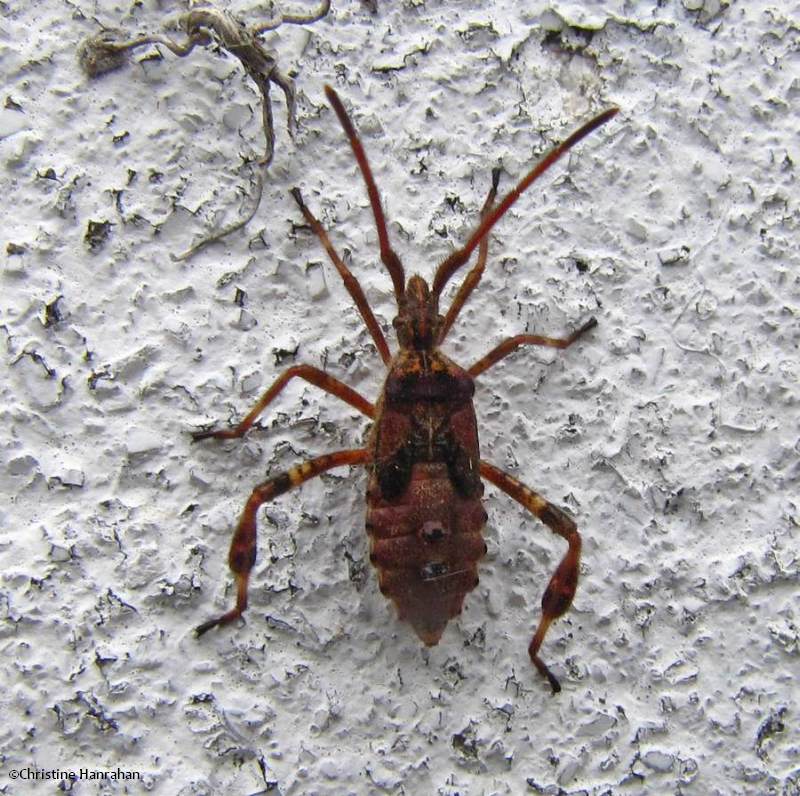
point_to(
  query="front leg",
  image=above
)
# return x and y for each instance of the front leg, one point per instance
(319, 378)
(561, 589)
(513, 343)
(242, 555)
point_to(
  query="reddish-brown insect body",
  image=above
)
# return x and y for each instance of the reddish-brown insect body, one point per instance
(425, 516)
(424, 510)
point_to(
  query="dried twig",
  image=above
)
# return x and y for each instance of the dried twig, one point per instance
(231, 228)
(205, 25)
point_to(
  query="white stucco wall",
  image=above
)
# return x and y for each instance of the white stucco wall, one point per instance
(670, 432)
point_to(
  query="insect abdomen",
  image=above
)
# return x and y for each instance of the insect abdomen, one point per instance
(426, 546)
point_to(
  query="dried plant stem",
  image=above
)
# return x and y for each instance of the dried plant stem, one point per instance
(204, 25)
(214, 237)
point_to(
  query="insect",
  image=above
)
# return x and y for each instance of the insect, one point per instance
(424, 512)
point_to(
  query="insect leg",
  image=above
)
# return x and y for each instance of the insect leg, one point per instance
(242, 554)
(350, 282)
(312, 375)
(513, 343)
(558, 595)
(474, 276)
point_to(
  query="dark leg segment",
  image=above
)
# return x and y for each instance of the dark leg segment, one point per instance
(311, 374)
(242, 554)
(350, 282)
(513, 343)
(474, 276)
(561, 589)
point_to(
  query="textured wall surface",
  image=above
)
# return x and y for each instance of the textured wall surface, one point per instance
(670, 431)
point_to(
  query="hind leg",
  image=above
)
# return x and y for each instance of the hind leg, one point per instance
(242, 555)
(560, 591)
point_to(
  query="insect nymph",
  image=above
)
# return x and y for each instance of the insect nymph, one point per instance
(425, 516)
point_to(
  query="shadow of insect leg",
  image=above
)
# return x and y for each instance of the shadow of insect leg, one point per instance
(558, 595)
(312, 375)
(242, 555)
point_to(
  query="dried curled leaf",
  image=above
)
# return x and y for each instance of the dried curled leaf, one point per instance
(101, 53)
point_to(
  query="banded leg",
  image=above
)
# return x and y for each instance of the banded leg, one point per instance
(474, 276)
(242, 555)
(312, 375)
(558, 595)
(513, 343)
(350, 282)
